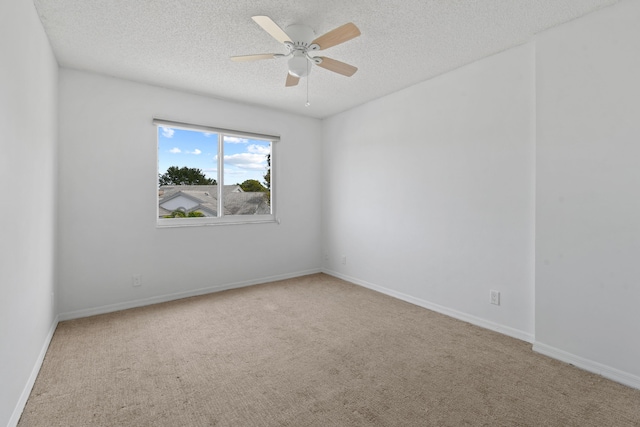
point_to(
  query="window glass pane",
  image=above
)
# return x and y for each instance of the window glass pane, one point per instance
(247, 176)
(187, 173)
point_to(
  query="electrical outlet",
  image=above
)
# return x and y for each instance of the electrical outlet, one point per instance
(495, 297)
(136, 280)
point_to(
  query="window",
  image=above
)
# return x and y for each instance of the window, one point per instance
(208, 175)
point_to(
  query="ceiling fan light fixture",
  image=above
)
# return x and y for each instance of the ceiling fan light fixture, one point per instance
(298, 65)
(301, 42)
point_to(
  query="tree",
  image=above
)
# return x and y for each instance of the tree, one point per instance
(267, 180)
(184, 176)
(253, 186)
(180, 213)
(267, 177)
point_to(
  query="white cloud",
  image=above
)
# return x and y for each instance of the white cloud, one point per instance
(175, 150)
(251, 161)
(259, 149)
(235, 140)
(167, 132)
(208, 134)
(196, 152)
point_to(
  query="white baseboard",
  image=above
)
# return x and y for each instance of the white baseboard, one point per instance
(580, 362)
(17, 412)
(179, 295)
(588, 365)
(483, 323)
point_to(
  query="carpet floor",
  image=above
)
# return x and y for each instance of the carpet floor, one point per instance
(310, 351)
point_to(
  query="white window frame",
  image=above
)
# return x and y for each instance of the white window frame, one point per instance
(221, 219)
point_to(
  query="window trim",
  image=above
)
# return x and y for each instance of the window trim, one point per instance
(224, 219)
(213, 129)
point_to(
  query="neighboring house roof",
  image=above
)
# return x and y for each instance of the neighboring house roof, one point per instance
(204, 198)
(246, 204)
(162, 212)
(166, 191)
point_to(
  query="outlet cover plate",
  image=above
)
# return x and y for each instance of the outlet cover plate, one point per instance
(494, 297)
(136, 280)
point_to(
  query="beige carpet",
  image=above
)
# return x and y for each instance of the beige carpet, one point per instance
(312, 351)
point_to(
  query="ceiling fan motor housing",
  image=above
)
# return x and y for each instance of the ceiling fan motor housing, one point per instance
(301, 35)
(299, 47)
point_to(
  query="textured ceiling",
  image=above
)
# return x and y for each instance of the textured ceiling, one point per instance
(186, 44)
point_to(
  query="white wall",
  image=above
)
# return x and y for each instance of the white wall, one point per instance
(28, 126)
(429, 192)
(108, 198)
(588, 192)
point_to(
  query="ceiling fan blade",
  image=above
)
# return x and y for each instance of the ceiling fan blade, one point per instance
(272, 28)
(337, 66)
(337, 36)
(292, 80)
(244, 58)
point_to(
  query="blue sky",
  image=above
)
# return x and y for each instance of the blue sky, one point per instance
(243, 158)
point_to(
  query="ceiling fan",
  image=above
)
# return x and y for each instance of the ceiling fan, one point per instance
(300, 42)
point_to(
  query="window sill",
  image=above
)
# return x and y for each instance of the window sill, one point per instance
(205, 222)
